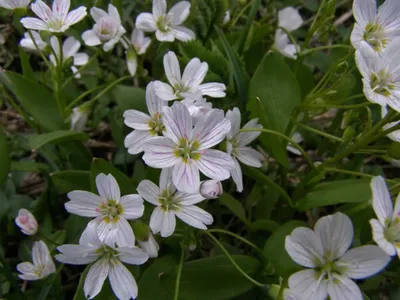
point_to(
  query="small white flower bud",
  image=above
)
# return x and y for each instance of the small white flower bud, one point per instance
(211, 189)
(150, 246)
(131, 61)
(79, 118)
(27, 222)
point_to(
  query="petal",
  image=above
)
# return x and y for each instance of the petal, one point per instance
(159, 153)
(186, 176)
(153, 102)
(113, 12)
(70, 47)
(194, 73)
(215, 164)
(212, 129)
(396, 211)
(33, 23)
(149, 191)
(343, 288)
(132, 256)
(306, 284)
(95, 278)
(159, 8)
(289, 18)
(177, 122)
(75, 16)
(213, 89)
(42, 10)
(165, 36)
(136, 119)
(83, 203)
(164, 91)
(364, 261)
(90, 38)
(188, 199)
(166, 180)
(367, 60)
(76, 254)
(146, 22)
(122, 282)
(133, 206)
(381, 201)
(194, 216)
(26, 267)
(378, 235)
(156, 220)
(336, 233)
(40, 254)
(81, 59)
(110, 45)
(183, 34)
(136, 139)
(305, 247)
(172, 68)
(179, 12)
(389, 15)
(249, 156)
(364, 11)
(108, 187)
(245, 138)
(97, 13)
(168, 224)
(60, 8)
(237, 176)
(234, 117)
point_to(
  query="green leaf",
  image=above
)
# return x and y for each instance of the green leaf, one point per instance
(56, 238)
(56, 137)
(36, 99)
(274, 250)
(264, 225)
(4, 158)
(273, 95)
(25, 64)
(28, 166)
(335, 192)
(99, 165)
(212, 278)
(128, 97)
(79, 294)
(245, 32)
(234, 206)
(67, 181)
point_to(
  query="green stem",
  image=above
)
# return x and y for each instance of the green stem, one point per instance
(48, 240)
(318, 132)
(338, 106)
(282, 289)
(357, 174)
(82, 96)
(255, 282)
(237, 237)
(49, 66)
(178, 275)
(311, 32)
(308, 51)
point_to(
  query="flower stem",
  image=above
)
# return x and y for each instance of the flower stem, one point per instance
(178, 275)
(353, 173)
(80, 97)
(318, 132)
(308, 51)
(333, 105)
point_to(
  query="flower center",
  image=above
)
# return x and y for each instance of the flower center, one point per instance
(375, 37)
(111, 210)
(55, 24)
(168, 201)
(381, 83)
(106, 28)
(188, 150)
(179, 89)
(392, 233)
(156, 126)
(163, 24)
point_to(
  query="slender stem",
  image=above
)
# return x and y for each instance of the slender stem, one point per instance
(237, 237)
(282, 289)
(333, 105)
(321, 133)
(255, 282)
(40, 51)
(178, 275)
(48, 240)
(241, 12)
(312, 29)
(357, 174)
(82, 96)
(308, 51)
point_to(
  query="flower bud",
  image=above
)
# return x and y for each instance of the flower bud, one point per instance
(131, 61)
(79, 118)
(150, 246)
(27, 222)
(211, 189)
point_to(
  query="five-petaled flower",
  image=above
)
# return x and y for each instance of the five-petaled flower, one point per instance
(57, 19)
(170, 204)
(167, 26)
(324, 251)
(186, 148)
(111, 211)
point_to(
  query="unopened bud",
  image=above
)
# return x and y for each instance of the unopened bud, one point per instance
(79, 118)
(150, 246)
(211, 189)
(27, 222)
(131, 61)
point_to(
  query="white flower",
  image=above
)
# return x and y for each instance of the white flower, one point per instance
(166, 25)
(236, 146)
(57, 19)
(324, 251)
(111, 211)
(131, 61)
(107, 261)
(227, 17)
(197, 106)
(150, 246)
(211, 189)
(139, 41)
(290, 20)
(145, 126)
(297, 138)
(28, 43)
(69, 49)
(189, 85)
(170, 203)
(380, 74)
(375, 27)
(14, 4)
(186, 149)
(108, 29)
(395, 135)
(27, 222)
(42, 266)
(385, 230)
(79, 118)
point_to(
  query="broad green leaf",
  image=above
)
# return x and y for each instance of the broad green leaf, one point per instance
(274, 250)
(28, 166)
(25, 64)
(129, 97)
(4, 158)
(264, 225)
(335, 192)
(212, 278)
(56, 137)
(234, 206)
(67, 181)
(273, 95)
(36, 99)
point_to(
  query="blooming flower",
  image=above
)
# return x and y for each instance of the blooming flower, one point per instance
(375, 27)
(186, 149)
(211, 189)
(170, 203)
(42, 266)
(166, 25)
(27, 222)
(395, 135)
(380, 76)
(324, 251)
(108, 29)
(146, 127)
(29, 44)
(385, 230)
(57, 19)
(289, 19)
(189, 85)
(79, 118)
(69, 49)
(14, 4)
(107, 261)
(111, 211)
(236, 146)
(297, 138)
(139, 41)
(150, 246)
